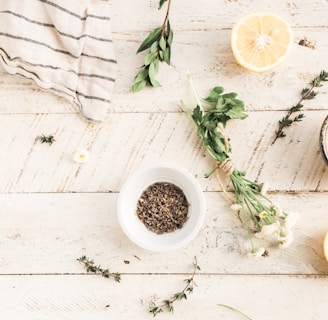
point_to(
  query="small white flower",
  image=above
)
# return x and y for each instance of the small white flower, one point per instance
(236, 207)
(291, 219)
(267, 230)
(285, 241)
(256, 252)
(263, 214)
(81, 155)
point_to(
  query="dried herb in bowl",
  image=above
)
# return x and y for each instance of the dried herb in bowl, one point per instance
(162, 207)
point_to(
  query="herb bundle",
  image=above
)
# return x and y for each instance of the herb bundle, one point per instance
(159, 43)
(259, 215)
(92, 267)
(307, 93)
(168, 303)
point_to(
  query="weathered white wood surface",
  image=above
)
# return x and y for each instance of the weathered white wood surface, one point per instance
(54, 210)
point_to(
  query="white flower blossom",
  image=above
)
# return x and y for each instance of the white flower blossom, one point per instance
(81, 156)
(256, 252)
(291, 219)
(277, 209)
(263, 214)
(267, 230)
(236, 207)
(286, 240)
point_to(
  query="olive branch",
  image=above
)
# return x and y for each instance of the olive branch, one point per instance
(159, 43)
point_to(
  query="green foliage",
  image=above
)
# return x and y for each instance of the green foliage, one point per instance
(46, 139)
(167, 304)
(220, 109)
(307, 93)
(159, 43)
(92, 267)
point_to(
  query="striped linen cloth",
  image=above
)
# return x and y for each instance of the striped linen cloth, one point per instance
(63, 45)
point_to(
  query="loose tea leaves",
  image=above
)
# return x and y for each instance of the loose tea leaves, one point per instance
(162, 207)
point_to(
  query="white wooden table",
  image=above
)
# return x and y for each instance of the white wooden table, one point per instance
(54, 210)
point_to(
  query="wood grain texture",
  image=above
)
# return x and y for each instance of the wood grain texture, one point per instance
(85, 297)
(46, 233)
(53, 210)
(129, 141)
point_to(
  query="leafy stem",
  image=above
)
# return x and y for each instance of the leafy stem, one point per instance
(46, 139)
(307, 93)
(168, 303)
(159, 43)
(92, 267)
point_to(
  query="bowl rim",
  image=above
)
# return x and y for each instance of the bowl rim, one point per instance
(323, 134)
(197, 222)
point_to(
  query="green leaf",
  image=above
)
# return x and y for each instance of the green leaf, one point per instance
(138, 86)
(154, 47)
(142, 75)
(154, 35)
(150, 57)
(162, 43)
(236, 113)
(167, 55)
(214, 95)
(161, 2)
(152, 73)
(169, 33)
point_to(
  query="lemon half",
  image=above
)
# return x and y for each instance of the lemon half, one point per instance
(325, 246)
(261, 40)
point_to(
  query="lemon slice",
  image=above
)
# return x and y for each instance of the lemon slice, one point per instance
(325, 246)
(260, 41)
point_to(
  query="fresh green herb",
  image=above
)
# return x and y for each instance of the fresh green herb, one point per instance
(307, 93)
(46, 139)
(168, 303)
(258, 214)
(159, 43)
(91, 267)
(235, 310)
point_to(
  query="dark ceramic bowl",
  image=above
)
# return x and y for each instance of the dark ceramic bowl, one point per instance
(324, 140)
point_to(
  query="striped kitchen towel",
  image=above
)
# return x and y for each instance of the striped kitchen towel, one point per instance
(63, 45)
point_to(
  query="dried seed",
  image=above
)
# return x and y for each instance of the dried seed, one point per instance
(162, 207)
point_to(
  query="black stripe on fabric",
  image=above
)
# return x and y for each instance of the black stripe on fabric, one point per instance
(92, 97)
(99, 58)
(85, 75)
(38, 43)
(49, 25)
(55, 49)
(73, 13)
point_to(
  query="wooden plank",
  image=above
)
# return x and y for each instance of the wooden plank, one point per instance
(85, 297)
(128, 141)
(46, 233)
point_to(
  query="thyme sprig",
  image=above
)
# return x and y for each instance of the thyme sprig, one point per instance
(46, 139)
(260, 216)
(159, 43)
(307, 93)
(168, 303)
(92, 267)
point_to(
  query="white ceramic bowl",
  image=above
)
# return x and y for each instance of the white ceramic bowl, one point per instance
(130, 193)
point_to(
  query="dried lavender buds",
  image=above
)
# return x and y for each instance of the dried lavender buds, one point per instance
(162, 207)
